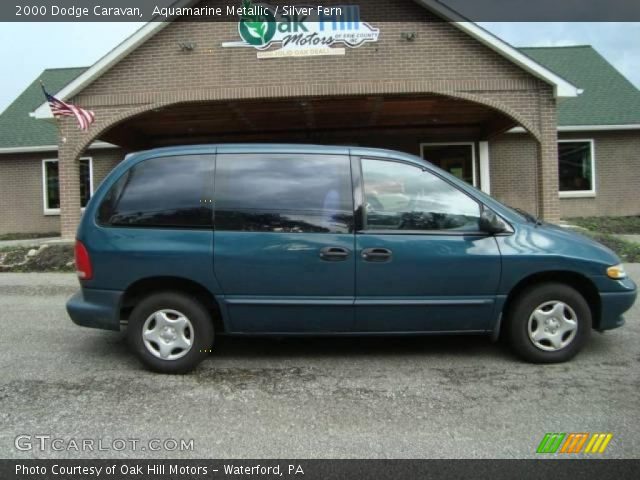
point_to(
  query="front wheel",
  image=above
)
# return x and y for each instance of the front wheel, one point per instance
(170, 332)
(548, 323)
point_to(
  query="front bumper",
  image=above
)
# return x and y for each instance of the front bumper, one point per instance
(95, 308)
(614, 304)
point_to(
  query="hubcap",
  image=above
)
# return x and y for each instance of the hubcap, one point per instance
(167, 334)
(552, 326)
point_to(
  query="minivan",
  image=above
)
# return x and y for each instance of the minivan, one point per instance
(185, 243)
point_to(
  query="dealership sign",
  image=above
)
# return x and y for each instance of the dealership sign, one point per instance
(301, 31)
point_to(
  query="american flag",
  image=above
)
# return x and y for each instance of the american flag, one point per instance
(62, 109)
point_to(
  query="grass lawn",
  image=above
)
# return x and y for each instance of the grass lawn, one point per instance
(628, 251)
(604, 229)
(620, 225)
(53, 258)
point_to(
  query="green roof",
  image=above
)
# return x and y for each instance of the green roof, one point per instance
(17, 128)
(608, 97)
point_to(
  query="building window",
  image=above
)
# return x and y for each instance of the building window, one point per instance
(51, 184)
(576, 168)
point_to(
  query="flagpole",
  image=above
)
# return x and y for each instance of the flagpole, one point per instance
(57, 120)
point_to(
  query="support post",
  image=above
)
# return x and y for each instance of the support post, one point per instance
(69, 184)
(548, 197)
(485, 170)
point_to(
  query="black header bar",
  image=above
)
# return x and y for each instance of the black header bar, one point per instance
(373, 11)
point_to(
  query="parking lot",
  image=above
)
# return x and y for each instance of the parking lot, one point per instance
(304, 398)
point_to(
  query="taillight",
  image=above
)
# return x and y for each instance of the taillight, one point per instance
(83, 262)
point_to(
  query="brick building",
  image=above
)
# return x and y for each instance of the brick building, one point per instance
(555, 131)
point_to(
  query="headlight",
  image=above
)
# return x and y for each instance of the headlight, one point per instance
(616, 272)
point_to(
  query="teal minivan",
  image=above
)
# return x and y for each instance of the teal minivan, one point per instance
(185, 243)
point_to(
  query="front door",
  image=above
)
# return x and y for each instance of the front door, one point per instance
(422, 264)
(284, 242)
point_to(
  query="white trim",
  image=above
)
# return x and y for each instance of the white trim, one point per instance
(90, 175)
(562, 88)
(485, 171)
(56, 211)
(581, 193)
(53, 148)
(45, 208)
(110, 59)
(586, 128)
(597, 128)
(445, 144)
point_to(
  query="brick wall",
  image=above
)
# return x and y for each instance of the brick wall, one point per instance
(103, 162)
(21, 203)
(617, 171)
(513, 172)
(21, 194)
(440, 53)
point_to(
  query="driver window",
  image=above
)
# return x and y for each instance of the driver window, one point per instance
(399, 196)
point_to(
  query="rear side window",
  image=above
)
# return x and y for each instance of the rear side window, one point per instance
(283, 193)
(162, 192)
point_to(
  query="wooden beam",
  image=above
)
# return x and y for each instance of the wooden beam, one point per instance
(240, 115)
(378, 104)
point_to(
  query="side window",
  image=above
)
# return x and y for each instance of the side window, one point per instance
(162, 192)
(283, 193)
(403, 197)
(51, 184)
(575, 166)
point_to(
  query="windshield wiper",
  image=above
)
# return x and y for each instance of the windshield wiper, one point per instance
(530, 218)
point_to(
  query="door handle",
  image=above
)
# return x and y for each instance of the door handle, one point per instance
(376, 254)
(334, 254)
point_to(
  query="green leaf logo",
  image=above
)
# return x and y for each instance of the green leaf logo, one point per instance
(256, 29)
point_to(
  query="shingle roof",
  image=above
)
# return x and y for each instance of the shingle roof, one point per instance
(17, 128)
(608, 98)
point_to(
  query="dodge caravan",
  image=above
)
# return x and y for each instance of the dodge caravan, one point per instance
(186, 243)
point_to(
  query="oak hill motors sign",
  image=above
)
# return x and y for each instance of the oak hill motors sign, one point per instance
(301, 31)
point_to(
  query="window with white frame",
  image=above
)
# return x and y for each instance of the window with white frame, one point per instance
(51, 184)
(576, 168)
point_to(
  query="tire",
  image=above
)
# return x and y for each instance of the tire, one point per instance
(548, 323)
(170, 332)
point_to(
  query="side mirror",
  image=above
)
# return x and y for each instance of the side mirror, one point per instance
(490, 222)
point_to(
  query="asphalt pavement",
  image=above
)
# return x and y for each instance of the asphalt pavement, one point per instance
(437, 397)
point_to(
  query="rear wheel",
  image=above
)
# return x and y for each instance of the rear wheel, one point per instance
(170, 332)
(549, 323)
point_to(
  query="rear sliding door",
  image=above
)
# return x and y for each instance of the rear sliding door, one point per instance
(284, 242)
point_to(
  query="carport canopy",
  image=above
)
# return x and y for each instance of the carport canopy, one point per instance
(343, 119)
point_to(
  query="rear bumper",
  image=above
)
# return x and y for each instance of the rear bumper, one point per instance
(614, 304)
(95, 308)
